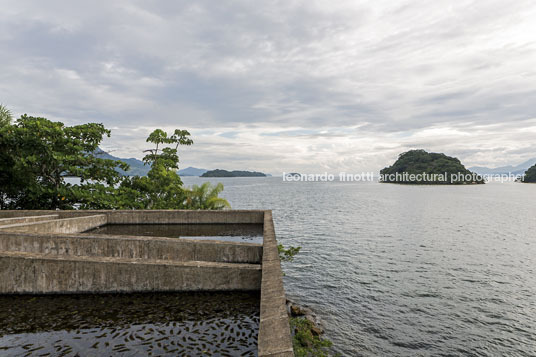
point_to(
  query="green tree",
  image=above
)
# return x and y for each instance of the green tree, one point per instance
(162, 187)
(417, 162)
(5, 116)
(287, 254)
(206, 197)
(530, 175)
(38, 154)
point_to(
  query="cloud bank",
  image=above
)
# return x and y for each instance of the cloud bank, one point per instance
(282, 85)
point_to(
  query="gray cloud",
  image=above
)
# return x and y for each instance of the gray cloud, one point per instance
(305, 85)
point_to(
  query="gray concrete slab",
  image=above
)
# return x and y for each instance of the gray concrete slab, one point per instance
(136, 247)
(34, 273)
(64, 225)
(28, 219)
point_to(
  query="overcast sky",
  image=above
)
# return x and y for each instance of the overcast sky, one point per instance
(283, 85)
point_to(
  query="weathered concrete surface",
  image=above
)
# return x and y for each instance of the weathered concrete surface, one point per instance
(41, 262)
(32, 273)
(66, 225)
(27, 219)
(25, 213)
(135, 247)
(184, 217)
(154, 216)
(274, 329)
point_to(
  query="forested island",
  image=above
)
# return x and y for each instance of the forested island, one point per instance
(424, 168)
(530, 175)
(236, 173)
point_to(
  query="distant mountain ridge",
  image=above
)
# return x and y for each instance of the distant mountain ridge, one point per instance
(138, 168)
(515, 170)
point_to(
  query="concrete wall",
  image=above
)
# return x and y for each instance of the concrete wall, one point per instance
(274, 329)
(28, 219)
(30, 273)
(154, 216)
(24, 213)
(67, 225)
(184, 217)
(132, 247)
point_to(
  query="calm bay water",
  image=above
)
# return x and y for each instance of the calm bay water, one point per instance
(407, 270)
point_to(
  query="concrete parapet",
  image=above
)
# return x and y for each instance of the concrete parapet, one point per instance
(38, 273)
(274, 329)
(135, 247)
(184, 217)
(27, 219)
(154, 216)
(25, 213)
(66, 225)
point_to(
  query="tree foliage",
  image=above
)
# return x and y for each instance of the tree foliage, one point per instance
(162, 187)
(206, 197)
(416, 162)
(5, 116)
(287, 254)
(530, 175)
(38, 155)
(306, 343)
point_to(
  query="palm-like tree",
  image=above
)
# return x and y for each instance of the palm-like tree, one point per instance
(206, 197)
(5, 116)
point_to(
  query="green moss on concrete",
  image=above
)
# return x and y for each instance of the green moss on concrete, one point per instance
(305, 342)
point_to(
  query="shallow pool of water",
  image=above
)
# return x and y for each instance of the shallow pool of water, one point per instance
(192, 324)
(251, 233)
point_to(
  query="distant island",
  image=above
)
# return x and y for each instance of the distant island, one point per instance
(424, 168)
(530, 175)
(225, 173)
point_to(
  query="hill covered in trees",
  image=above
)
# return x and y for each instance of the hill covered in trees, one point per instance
(530, 175)
(225, 173)
(421, 167)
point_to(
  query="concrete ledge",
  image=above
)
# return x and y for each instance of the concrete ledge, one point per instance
(66, 225)
(36, 274)
(154, 216)
(28, 219)
(135, 247)
(184, 217)
(274, 329)
(26, 213)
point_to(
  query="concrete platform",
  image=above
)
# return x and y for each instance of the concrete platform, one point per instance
(44, 252)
